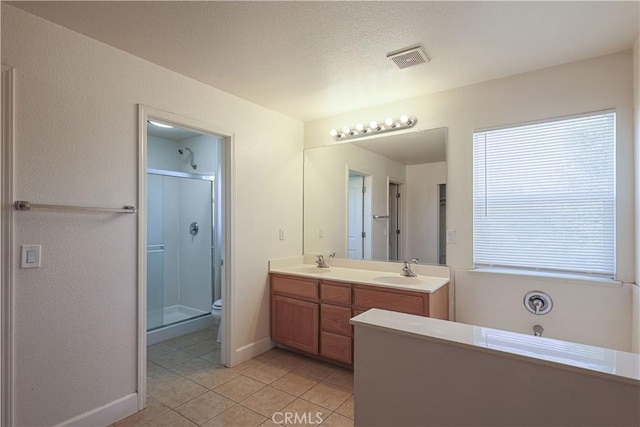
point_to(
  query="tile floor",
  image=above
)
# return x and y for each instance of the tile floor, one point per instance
(187, 386)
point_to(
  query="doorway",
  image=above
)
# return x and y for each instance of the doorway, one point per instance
(395, 222)
(183, 241)
(358, 216)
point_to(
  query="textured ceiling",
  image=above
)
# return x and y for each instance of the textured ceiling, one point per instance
(311, 60)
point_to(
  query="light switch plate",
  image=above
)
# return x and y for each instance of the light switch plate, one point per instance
(30, 256)
(451, 235)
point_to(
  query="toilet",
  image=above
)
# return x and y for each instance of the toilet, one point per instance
(216, 313)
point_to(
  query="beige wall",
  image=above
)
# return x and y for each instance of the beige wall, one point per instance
(76, 143)
(590, 85)
(423, 206)
(635, 331)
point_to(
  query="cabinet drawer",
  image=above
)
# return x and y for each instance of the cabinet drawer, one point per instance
(336, 347)
(295, 286)
(411, 303)
(334, 293)
(335, 318)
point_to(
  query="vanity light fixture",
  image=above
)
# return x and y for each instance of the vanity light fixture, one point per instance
(160, 125)
(374, 128)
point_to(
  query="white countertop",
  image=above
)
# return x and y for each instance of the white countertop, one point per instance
(387, 279)
(619, 365)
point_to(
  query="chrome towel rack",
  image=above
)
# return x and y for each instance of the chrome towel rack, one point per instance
(23, 205)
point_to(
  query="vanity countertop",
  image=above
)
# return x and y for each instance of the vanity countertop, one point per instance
(387, 279)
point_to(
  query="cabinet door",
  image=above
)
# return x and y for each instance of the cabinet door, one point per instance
(295, 323)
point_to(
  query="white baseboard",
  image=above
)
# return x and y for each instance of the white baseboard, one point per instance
(106, 414)
(250, 351)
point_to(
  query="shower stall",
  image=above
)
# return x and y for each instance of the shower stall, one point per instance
(183, 241)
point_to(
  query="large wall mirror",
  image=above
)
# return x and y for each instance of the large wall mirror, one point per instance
(380, 198)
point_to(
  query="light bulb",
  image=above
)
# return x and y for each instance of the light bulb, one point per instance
(359, 127)
(333, 133)
(373, 124)
(346, 130)
(389, 121)
(404, 119)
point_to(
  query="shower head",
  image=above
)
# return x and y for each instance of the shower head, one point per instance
(191, 161)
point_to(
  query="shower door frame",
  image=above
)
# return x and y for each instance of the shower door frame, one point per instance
(198, 177)
(227, 200)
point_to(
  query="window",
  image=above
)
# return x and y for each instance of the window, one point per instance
(544, 196)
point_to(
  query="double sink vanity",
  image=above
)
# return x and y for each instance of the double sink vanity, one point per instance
(311, 307)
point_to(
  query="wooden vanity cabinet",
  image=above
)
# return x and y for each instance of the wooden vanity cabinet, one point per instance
(335, 331)
(295, 312)
(312, 315)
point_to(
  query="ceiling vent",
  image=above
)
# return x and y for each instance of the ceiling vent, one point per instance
(408, 57)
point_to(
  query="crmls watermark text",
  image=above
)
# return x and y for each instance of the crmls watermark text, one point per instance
(297, 418)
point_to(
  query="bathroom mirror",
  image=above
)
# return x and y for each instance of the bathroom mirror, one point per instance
(379, 198)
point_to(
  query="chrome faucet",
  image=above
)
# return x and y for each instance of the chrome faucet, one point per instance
(406, 270)
(320, 262)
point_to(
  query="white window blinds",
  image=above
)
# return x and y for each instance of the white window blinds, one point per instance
(544, 196)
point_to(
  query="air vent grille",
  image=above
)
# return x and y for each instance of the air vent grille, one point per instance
(406, 58)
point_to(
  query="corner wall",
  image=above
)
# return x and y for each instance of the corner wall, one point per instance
(77, 143)
(593, 84)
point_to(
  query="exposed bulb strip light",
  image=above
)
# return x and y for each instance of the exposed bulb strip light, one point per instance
(374, 128)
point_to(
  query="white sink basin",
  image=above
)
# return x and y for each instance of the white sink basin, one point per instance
(399, 280)
(311, 270)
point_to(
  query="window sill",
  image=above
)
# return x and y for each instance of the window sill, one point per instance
(563, 277)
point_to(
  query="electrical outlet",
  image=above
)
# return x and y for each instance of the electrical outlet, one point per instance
(281, 234)
(320, 233)
(451, 235)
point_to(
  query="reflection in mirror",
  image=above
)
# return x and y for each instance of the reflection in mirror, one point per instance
(379, 198)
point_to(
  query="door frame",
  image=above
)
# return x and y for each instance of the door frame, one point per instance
(228, 201)
(367, 210)
(6, 246)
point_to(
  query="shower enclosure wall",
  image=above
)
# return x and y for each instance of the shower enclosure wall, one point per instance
(182, 248)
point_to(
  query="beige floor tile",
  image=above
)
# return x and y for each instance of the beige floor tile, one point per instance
(342, 378)
(159, 378)
(294, 383)
(153, 410)
(187, 340)
(172, 359)
(194, 367)
(239, 388)
(179, 393)
(267, 401)
(266, 373)
(346, 408)
(327, 396)
(215, 377)
(236, 416)
(203, 347)
(204, 407)
(160, 349)
(269, 423)
(337, 420)
(316, 369)
(245, 366)
(287, 359)
(214, 357)
(309, 414)
(170, 419)
(269, 355)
